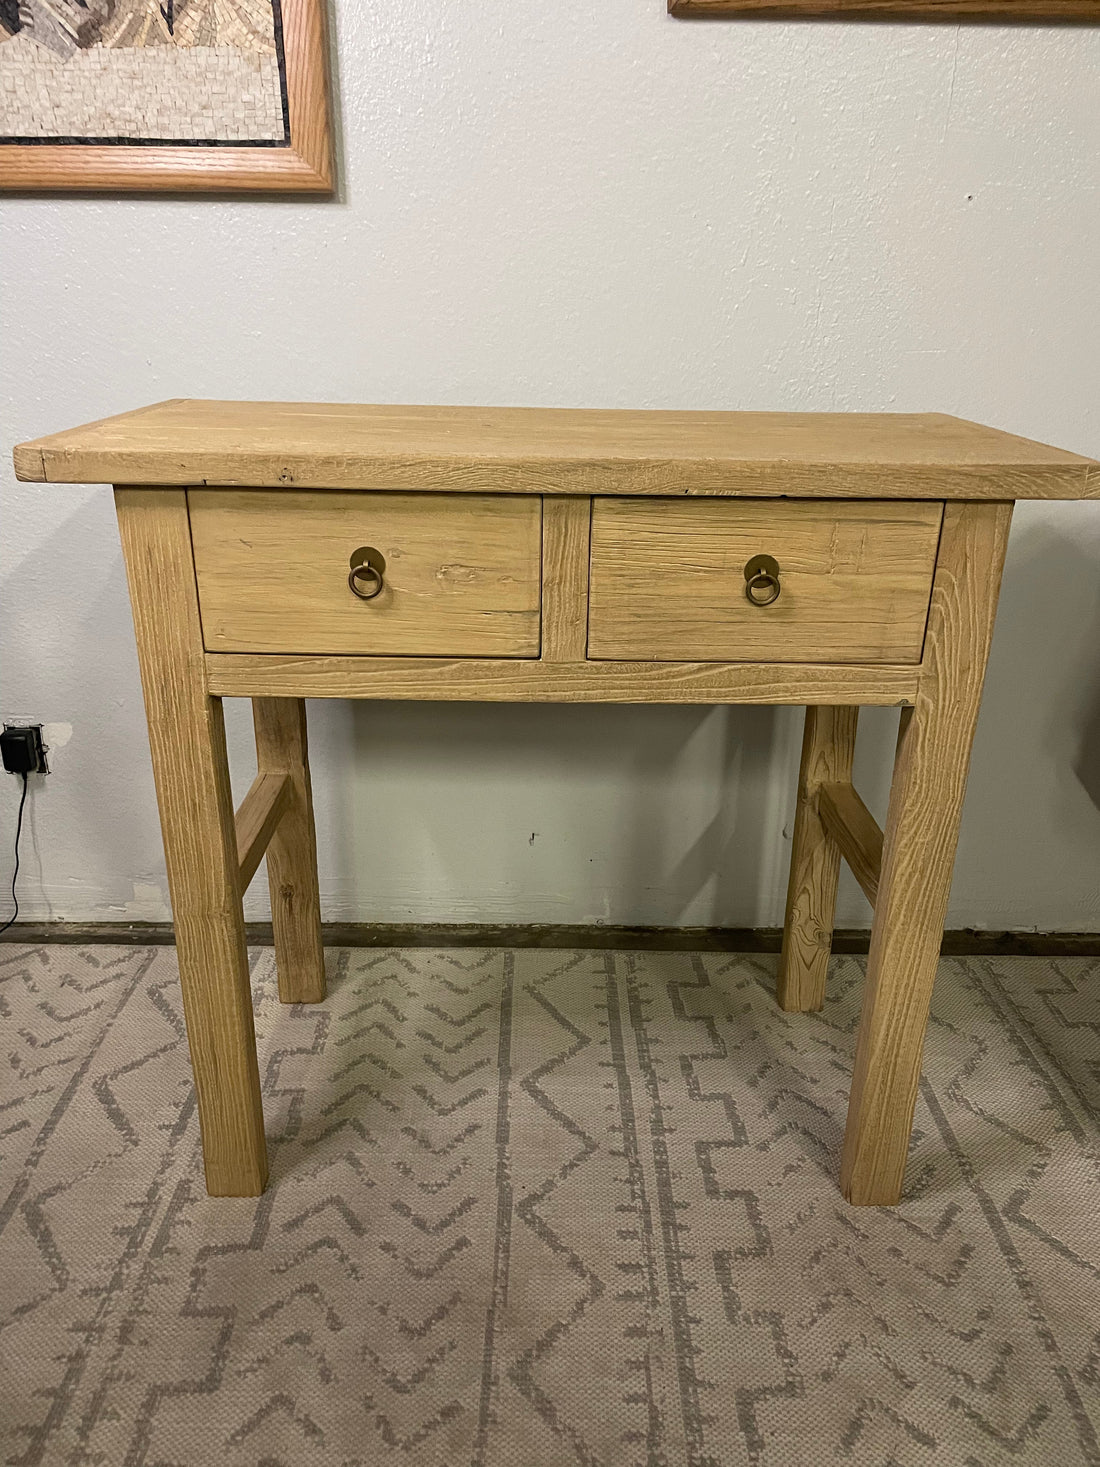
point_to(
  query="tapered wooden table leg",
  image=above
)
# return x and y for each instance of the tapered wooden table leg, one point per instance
(292, 852)
(187, 741)
(919, 851)
(828, 745)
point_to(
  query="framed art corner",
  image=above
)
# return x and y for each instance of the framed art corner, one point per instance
(159, 96)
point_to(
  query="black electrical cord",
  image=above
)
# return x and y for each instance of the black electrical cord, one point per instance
(15, 873)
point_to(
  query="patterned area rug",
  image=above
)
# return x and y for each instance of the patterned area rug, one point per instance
(541, 1208)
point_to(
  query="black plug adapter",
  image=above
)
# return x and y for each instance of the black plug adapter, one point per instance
(23, 749)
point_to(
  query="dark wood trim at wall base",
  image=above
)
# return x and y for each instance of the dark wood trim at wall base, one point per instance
(962, 942)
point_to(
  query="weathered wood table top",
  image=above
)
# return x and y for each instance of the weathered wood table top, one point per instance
(305, 445)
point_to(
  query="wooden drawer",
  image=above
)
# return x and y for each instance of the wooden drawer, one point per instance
(668, 583)
(461, 578)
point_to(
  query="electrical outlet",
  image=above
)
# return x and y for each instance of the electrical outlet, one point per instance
(23, 750)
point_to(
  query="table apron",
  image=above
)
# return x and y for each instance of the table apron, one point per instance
(513, 680)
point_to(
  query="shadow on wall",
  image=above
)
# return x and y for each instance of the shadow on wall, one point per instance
(726, 865)
(510, 812)
(1051, 601)
(1030, 845)
(1071, 563)
(91, 838)
(1087, 765)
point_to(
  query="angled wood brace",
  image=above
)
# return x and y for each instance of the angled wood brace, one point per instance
(856, 832)
(262, 808)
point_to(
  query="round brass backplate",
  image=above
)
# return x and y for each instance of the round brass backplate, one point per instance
(367, 575)
(762, 580)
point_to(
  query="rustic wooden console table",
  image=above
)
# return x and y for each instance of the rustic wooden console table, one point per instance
(282, 551)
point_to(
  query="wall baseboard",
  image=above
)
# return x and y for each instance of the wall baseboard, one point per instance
(961, 942)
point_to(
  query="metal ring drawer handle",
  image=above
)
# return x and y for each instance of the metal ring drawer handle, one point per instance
(367, 575)
(762, 580)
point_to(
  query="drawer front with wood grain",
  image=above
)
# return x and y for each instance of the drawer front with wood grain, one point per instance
(437, 575)
(828, 582)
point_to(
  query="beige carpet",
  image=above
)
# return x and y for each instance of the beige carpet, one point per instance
(543, 1208)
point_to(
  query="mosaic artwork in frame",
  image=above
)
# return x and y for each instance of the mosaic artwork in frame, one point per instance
(160, 95)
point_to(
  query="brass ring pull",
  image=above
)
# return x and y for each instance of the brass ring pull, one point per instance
(762, 580)
(368, 569)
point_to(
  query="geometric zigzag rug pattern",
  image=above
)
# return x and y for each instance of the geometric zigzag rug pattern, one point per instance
(535, 1208)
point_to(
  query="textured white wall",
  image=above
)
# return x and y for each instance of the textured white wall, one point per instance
(589, 204)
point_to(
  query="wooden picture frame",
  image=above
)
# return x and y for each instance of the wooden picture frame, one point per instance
(1033, 11)
(303, 163)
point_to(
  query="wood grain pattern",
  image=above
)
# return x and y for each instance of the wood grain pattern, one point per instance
(257, 816)
(281, 745)
(565, 535)
(828, 746)
(947, 10)
(243, 675)
(559, 451)
(305, 166)
(919, 851)
(187, 743)
(461, 579)
(668, 582)
(856, 832)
